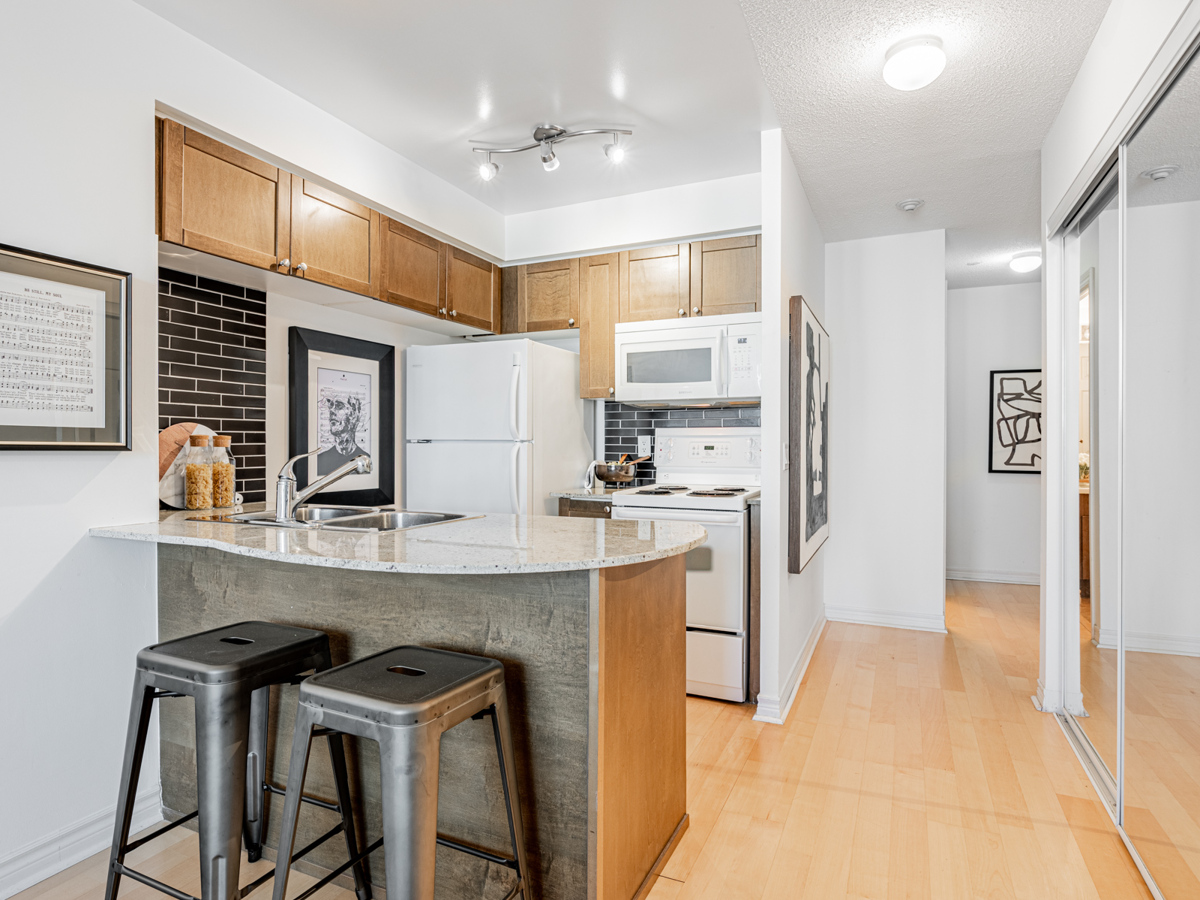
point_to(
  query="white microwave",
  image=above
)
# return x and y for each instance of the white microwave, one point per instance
(689, 362)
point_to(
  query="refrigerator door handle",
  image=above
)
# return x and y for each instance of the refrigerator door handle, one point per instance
(513, 398)
(513, 486)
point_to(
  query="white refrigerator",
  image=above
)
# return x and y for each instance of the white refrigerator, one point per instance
(493, 427)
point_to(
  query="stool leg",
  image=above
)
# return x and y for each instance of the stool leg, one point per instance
(298, 765)
(222, 733)
(408, 760)
(131, 769)
(337, 756)
(256, 772)
(502, 731)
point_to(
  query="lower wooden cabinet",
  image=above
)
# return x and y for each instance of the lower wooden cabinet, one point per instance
(599, 299)
(726, 276)
(584, 509)
(1085, 546)
(472, 290)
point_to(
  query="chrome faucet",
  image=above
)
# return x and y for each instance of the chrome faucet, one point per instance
(286, 497)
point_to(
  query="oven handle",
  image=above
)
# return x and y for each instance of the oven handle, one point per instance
(699, 517)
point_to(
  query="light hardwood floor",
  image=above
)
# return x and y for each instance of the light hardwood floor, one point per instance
(912, 765)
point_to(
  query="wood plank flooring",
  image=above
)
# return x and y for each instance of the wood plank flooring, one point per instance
(912, 765)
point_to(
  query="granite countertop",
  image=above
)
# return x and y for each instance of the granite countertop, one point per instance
(491, 544)
(584, 494)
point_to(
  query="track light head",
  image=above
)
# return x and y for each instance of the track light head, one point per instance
(488, 170)
(614, 151)
(549, 160)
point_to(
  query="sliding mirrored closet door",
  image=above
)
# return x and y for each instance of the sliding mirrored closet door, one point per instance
(1160, 502)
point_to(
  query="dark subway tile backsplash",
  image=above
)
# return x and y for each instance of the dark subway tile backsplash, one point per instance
(623, 425)
(212, 339)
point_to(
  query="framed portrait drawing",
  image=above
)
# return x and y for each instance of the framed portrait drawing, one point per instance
(1015, 421)
(342, 399)
(808, 436)
(64, 354)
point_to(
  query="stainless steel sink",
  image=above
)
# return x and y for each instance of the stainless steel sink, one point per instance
(393, 520)
(342, 518)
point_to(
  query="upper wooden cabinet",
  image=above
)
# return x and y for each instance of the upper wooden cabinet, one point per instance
(472, 290)
(654, 283)
(335, 240)
(222, 201)
(726, 276)
(599, 308)
(548, 295)
(414, 269)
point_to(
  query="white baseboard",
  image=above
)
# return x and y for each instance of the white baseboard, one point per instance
(887, 619)
(771, 709)
(1150, 642)
(62, 849)
(993, 576)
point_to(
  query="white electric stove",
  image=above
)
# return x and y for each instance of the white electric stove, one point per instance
(708, 476)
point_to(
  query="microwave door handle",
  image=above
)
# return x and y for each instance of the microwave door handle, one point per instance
(724, 352)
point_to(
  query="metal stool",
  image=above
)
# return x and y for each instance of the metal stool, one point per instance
(405, 699)
(228, 672)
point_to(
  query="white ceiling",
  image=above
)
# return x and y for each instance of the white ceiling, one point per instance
(968, 145)
(1170, 137)
(426, 78)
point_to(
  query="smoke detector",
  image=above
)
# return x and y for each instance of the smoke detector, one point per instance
(910, 205)
(1160, 173)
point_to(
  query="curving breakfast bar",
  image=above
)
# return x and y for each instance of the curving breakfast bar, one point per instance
(587, 617)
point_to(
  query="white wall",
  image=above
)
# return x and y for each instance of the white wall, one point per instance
(685, 212)
(793, 262)
(886, 314)
(993, 531)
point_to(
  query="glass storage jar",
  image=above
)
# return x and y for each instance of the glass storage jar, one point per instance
(198, 473)
(223, 472)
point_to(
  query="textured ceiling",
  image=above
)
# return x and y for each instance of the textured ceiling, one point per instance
(968, 145)
(1170, 137)
(426, 78)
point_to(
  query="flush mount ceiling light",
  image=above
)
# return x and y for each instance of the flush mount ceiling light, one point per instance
(544, 139)
(915, 63)
(910, 205)
(1160, 173)
(1026, 262)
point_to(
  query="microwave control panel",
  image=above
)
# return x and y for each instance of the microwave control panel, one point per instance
(743, 349)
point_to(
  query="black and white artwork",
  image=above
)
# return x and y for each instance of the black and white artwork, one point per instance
(343, 417)
(809, 433)
(1015, 421)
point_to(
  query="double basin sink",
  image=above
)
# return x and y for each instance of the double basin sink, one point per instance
(346, 518)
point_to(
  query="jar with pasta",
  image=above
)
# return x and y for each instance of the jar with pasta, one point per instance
(223, 472)
(198, 473)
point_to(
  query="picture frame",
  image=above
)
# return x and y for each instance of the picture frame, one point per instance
(809, 370)
(65, 354)
(1015, 421)
(342, 398)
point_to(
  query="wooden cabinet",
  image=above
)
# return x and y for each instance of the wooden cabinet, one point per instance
(413, 269)
(335, 240)
(220, 200)
(654, 283)
(472, 290)
(726, 276)
(599, 307)
(548, 295)
(1085, 545)
(584, 509)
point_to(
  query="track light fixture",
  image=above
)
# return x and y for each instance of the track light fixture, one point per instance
(544, 139)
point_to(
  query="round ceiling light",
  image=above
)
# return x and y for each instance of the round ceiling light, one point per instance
(915, 63)
(488, 170)
(910, 205)
(1026, 262)
(1160, 173)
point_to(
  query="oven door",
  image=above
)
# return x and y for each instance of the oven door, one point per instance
(666, 364)
(717, 570)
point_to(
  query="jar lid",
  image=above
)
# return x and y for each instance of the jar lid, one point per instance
(221, 440)
(198, 440)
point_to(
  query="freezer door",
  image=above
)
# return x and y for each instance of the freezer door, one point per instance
(468, 392)
(468, 477)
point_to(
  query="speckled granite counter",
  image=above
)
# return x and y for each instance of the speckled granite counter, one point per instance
(490, 545)
(588, 618)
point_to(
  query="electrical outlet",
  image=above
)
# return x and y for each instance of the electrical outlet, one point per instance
(645, 445)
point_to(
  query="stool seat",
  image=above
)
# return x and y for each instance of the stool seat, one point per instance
(403, 686)
(258, 652)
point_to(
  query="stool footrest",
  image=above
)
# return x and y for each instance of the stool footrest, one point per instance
(339, 870)
(303, 851)
(473, 851)
(133, 845)
(151, 882)
(304, 798)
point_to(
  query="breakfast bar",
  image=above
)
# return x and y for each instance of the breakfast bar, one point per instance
(588, 617)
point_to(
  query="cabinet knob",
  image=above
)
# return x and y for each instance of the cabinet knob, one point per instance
(571, 323)
(303, 267)
(611, 391)
(695, 310)
(683, 312)
(454, 312)
(441, 311)
(284, 264)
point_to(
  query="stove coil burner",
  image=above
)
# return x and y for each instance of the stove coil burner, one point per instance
(716, 492)
(730, 490)
(662, 490)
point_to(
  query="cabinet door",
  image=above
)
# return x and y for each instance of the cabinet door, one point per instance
(334, 239)
(548, 295)
(414, 269)
(472, 290)
(726, 276)
(654, 283)
(220, 200)
(599, 306)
